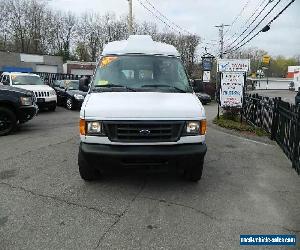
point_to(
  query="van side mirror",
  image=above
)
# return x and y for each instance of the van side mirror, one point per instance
(84, 84)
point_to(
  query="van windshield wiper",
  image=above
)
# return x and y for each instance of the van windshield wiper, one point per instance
(111, 85)
(164, 86)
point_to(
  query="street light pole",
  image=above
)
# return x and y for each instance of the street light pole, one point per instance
(130, 18)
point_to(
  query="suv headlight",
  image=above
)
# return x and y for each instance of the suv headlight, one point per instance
(26, 101)
(78, 97)
(91, 128)
(195, 127)
(52, 93)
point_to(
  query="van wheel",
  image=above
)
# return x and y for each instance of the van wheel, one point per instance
(86, 171)
(8, 121)
(194, 171)
(70, 104)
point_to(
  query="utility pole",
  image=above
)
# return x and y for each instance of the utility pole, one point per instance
(130, 18)
(221, 34)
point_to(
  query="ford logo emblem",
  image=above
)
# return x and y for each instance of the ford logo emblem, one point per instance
(145, 132)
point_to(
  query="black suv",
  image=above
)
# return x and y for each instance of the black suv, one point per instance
(16, 106)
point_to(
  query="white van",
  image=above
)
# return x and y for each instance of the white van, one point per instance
(45, 95)
(141, 110)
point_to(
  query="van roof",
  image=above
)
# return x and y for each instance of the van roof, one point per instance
(139, 44)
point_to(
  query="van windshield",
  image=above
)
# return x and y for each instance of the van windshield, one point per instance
(141, 73)
(26, 80)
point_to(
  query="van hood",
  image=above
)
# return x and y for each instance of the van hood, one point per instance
(142, 105)
(34, 87)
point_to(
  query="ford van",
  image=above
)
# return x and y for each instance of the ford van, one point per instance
(141, 111)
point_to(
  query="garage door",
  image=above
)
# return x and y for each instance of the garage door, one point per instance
(82, 72)
(46, 68)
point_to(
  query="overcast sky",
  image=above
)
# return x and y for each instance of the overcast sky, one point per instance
(200, 17)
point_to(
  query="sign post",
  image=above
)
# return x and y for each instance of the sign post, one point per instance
(207, 65)
(233, 74)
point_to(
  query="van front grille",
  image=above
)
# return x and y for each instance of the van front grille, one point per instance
(144, 131)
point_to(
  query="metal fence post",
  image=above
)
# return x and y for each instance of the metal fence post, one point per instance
(296, 150)
(275, 118)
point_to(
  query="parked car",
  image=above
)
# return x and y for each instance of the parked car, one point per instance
(200, 89)
(16, 106)
(204, 98)
(297, 98)
(292, 86)
(45, 95)
(140, 111)
(68, 93)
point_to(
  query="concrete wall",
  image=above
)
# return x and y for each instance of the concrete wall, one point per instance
(8, 59)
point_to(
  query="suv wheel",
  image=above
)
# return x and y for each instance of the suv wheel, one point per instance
(86, 171)
(194, 171)
(52, 108)
(70, 104)
(8, 121)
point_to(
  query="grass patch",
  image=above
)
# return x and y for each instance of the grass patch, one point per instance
(234, 123)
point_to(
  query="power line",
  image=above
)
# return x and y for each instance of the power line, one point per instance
(269, 23)
(156, 16)
(247, 21)
(236, 18)
(255, 25)
(247, 28)
(166, 18)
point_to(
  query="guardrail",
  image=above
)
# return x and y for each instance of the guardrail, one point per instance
(49, 78)
(280, 119)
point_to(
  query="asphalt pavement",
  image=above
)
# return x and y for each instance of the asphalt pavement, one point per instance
(286, 95)
(248, 187)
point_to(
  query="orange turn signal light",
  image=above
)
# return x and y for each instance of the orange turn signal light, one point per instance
(203, 127)
(82, 128)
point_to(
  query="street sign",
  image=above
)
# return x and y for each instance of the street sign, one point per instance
(206, 76)
(231, 92)
(207, 63)
(233, 65)
(266, 59)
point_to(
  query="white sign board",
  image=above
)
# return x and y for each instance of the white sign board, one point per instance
(231, 92)
(31, 58)
(206, 76)
(233, 65)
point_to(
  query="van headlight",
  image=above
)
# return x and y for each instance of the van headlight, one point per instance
(26, 101)
(78, 97)
(195, 127)
(91, 128)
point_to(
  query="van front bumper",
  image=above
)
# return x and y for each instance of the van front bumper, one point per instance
(141, 155)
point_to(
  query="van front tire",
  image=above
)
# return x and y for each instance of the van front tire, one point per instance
(193, 172)
(87, 171)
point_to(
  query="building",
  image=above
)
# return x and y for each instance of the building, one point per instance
(292, 70)
(19, 62)
(79, 68)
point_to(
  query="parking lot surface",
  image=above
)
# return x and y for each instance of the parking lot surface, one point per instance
(286, 95)
(248, 187)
